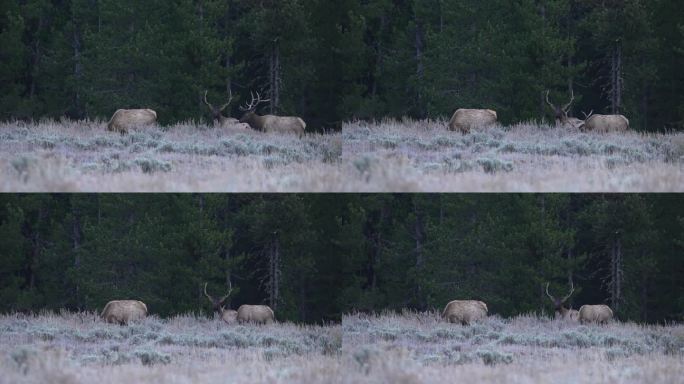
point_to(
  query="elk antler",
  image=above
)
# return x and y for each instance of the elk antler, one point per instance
(206, 294)
(254, 102)
(230, 289)
(589, 115)
(215, 301)
(566, 108)
(548, 102)
(230, 98)
(548, 294)
(572, 289)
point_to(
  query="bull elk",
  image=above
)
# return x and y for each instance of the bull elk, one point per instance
(270, 123)
(227, 315)
(124, 311)
(260, 314)
(561, 112)
(562, 311)
(125, 119)
(217, 112)
(464, 119)
(464, 311)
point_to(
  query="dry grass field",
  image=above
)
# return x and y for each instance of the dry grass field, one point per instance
(406, 348)
(391, 156)
(420, 348)
(422, 156)
(74, 348)
(83, 157)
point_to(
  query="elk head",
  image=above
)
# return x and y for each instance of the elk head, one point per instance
(561, 112)
(559, 304)
(250, 108)
(217, 112)
(217, 303)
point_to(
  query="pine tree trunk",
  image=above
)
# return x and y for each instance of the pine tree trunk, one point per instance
(274, 80)
(616, 79)
(274, 273)
(78, 65)
(616, 274)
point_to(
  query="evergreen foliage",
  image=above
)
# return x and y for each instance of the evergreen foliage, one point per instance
(329, 61)
(314, 257)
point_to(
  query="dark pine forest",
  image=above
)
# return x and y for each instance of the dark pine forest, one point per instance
(335, 60)
(314, 257)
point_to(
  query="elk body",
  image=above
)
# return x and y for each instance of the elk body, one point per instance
(260, 314)
(464, 119)
(606, 123)
(125, 119)
(271, 123)
(217, 114)
(600, 313)
(464, 311)
(124, 311)
(562, 311)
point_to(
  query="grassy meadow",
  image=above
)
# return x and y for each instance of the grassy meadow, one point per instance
(79, 348)
(383, 348)
(390, 156)
(421, 348)
(82, 156)
(422, 156)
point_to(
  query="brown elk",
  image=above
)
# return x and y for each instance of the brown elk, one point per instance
(606, 123)
(227, 315)
(464, 311)
(270, 123)
(464, 119)
(260, 314)
(562, 311)
(561, 112)
(599, 313)
(124, 119)
(217, 113)
(124, 311)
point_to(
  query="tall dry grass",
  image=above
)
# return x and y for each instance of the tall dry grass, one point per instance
(80, 156)
(422, 156)
(80, 348)
(420, 348)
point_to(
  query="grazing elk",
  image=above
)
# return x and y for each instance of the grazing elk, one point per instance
(563, 312)
(599, 313)
(227, 315)
(125, 119)
(270, 123)
(561, 112)
(260, 314)
(464, 119)
(605, 123)
(123, 311)
(217, 113)
(464, 311)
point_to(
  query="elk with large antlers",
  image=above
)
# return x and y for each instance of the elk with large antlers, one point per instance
(217, 112)
(260, 314)
(270, 123)
(562, 311)
(561, 112)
